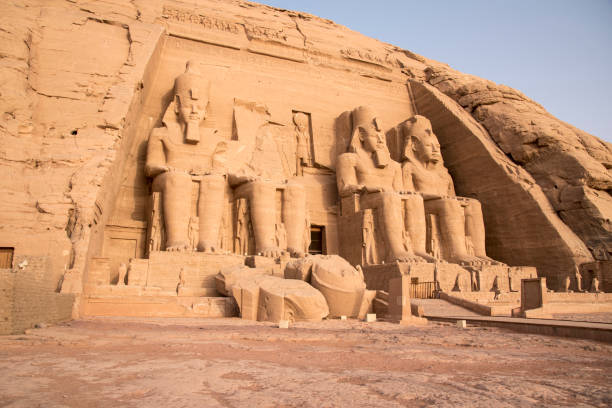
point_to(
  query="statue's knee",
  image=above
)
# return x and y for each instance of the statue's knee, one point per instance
(213, 182)
(451, 206)
(295, 188)
(260, 188)
(413, 200)
(389, 198)
(474, 206)
(177, 181)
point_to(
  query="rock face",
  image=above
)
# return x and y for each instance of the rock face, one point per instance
(570, 166)
(85, 83)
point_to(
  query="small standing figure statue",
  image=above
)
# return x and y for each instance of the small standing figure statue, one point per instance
(307, 237)
(281, 236)
(122, 274)
(496, 288)
(595, 285)
(302, 131)
(567, 282)
(193, 233)
(368, 238)
(181, 281)
(578, 279)
(241, 241)
(434, 234)
(469, 245)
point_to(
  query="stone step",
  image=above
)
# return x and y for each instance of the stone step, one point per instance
(158, 306)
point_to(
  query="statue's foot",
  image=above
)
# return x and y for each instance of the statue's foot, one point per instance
(207, 248)
(271, 252)
(295, 253)
(177, 247)
(470, 260)
(491, 261)
(408, 257)
(427, 257)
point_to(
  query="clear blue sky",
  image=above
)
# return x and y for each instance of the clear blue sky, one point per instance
(557, 52)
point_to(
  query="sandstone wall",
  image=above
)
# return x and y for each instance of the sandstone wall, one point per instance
(30, 295)
(75, 76)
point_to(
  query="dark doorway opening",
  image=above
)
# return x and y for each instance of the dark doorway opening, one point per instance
(6, 257)
(317, 240)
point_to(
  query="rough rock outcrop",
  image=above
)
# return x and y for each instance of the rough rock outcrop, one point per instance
(570, 165)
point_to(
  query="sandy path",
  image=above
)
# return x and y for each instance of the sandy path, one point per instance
(114, 362)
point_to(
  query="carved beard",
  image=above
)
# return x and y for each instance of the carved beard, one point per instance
(192, 132)
(382, 157)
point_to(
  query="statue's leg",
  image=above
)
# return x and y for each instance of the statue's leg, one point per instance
(262, 204)
(452, 229)
(474, 227)
(176, 201)
(392, 223)
(294, 217)
(210, 211)
(415, 224)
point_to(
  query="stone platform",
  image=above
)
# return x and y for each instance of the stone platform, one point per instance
(450, 277)
(158, 306)
(167, 284)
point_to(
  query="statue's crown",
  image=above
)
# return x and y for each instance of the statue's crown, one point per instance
(189, 82)
(362, 115)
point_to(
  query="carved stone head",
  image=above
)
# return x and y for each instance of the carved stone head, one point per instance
(367, 135)
(190, 101)
(301, 121)
(420, 142)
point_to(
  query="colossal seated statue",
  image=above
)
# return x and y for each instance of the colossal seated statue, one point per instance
(368, 171)
(183, 150)
(458, 221)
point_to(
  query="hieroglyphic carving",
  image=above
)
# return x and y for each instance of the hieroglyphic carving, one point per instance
(210, 23)
(368, 57)
(264, 33)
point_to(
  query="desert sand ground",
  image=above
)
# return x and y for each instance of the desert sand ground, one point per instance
(122, 362)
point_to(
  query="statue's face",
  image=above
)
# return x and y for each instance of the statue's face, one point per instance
(371, 136)
(425, 142)
(191, 109)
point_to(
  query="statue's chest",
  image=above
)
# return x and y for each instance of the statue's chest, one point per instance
(368, 173)
(187, 156)
(429, 182)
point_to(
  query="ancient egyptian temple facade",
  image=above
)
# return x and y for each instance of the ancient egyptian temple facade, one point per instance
(197, 156)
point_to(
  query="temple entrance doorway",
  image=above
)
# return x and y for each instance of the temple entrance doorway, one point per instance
(317, 240)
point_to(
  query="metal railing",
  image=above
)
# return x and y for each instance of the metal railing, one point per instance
(422, 290)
